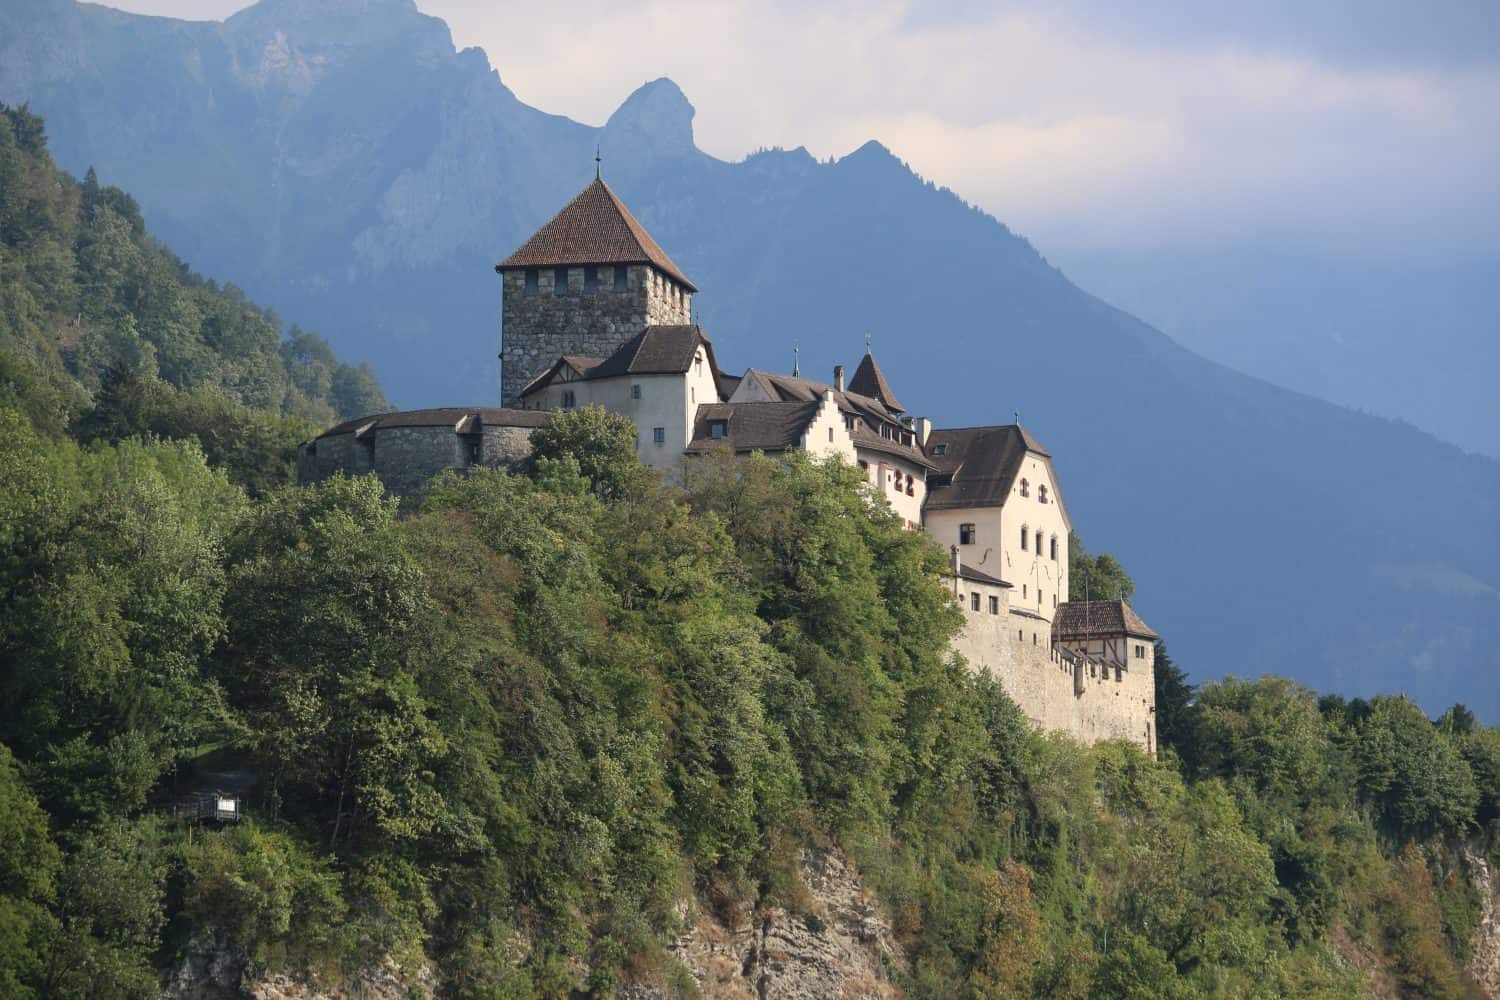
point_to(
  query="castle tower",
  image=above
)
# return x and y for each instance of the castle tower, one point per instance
(585, 283)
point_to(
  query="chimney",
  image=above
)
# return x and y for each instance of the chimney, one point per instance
(838, 377)
(924, 428)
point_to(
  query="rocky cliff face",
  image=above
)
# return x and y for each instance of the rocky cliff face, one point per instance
(838, 946)
(1484, 950)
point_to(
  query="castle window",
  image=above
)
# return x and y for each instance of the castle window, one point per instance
(1054, 600)
(830, 435)
(966, 534)
(622, 277)
(1025, 538)
(994, 605)
(474, 450)
(1023, 591)
(974, 600)
(718, 429)
(591, 279)
(1041, 493)
(569, 399)
(659, 435)
(1054, 548)
(531, 280)
(864, 466)
(911, 485)
(1025, 488)
(635, 391)
(1020, 634)
(559, 280)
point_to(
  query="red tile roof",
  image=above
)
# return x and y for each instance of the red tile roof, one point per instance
(593, 228)
(1098, 619)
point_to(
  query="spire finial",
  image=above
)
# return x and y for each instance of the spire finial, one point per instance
(867, 343)
(597, 160)
(1017, 415)
(796, 362)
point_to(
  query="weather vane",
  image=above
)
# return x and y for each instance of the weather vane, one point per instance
(796, 361)
(597, 160)
(1017, 415)
(867, 343)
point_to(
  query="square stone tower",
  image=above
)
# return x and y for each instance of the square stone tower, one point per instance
(583, 285)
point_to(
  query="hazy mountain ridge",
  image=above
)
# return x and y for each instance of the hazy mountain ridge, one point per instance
(342, 161)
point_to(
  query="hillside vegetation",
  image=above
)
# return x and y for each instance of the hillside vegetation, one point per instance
(106, 332)
(504, 734)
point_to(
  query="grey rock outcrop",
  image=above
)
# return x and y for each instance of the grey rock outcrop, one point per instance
(839, 945)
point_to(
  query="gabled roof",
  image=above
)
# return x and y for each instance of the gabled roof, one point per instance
(770, 427)
(463, 419)
(980, 464)
(579, 363)
(870, 381)
(594, 228)
(656, 350)
(872, 412)
(1098, 620)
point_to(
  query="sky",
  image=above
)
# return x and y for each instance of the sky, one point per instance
(1354, 127)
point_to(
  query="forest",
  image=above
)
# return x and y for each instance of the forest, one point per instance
(502, 732)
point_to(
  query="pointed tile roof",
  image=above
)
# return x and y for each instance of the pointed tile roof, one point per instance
(593, 228)
(869, 380)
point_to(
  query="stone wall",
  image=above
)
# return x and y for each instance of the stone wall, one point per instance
(1055, 688)
(407, 458)
(540, 326)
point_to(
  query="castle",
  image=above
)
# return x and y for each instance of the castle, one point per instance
(595, 313)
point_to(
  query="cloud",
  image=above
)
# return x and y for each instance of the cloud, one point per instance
(1365, 130)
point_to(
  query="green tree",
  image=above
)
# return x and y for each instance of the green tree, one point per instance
(1174, 700)
(1096, 578)
(602, 443)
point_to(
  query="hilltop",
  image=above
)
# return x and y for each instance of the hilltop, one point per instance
(377, 174)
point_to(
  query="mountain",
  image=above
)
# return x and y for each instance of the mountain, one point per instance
(346, 164)
(1414, 338)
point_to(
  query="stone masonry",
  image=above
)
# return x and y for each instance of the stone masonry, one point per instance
(542, 324)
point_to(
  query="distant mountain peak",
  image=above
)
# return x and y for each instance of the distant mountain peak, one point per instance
(654, 123)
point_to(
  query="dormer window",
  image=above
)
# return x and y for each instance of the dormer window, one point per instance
(940, 449)
(1025, 489)
(718, 429)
